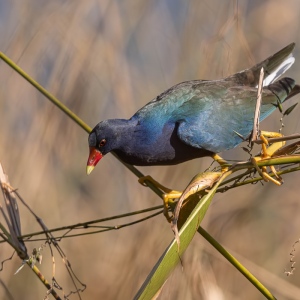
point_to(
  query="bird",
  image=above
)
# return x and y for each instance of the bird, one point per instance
(196, 118)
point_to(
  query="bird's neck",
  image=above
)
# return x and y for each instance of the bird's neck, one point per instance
(126, 138)
(123, 130)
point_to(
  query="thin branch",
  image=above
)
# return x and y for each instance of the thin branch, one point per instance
(255, 131)
(105, 228)
(280, 139)
(237, 183)
(84, 225)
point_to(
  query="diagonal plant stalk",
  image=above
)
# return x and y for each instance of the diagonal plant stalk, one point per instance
(236, 264)
(134, 170)
(70, 114)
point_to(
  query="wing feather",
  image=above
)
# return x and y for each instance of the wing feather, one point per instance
(210, 119)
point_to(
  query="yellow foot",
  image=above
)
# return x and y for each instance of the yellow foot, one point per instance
(267, 152)
(168, 194)
(264, 173)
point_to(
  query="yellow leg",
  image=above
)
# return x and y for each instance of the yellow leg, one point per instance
(168, 194)
(221, 161)
(268, 152)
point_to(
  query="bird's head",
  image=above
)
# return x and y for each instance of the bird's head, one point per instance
(99, 145)
(102, 139)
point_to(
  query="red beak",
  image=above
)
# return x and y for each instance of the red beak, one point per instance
(94, 157)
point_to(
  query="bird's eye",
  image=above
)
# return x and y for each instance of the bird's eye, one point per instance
(102, 143)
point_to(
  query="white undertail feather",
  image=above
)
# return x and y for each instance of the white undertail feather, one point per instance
(282, 68)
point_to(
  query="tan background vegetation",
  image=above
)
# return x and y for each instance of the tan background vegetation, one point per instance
(105, 59)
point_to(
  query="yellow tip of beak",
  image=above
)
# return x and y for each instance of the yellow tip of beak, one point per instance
(89, 169)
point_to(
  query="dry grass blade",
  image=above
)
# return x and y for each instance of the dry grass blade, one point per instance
(12, 236)
(12, 218)
(51, 240)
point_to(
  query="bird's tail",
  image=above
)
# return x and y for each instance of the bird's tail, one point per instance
(284, 88)
(274, 66)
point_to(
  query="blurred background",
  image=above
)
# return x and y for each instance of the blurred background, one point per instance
(106, 59)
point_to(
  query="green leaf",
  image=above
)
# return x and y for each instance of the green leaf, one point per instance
(290, 109)
(171, 257)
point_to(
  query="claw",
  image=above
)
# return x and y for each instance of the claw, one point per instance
(268, 152)
(168, 199)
